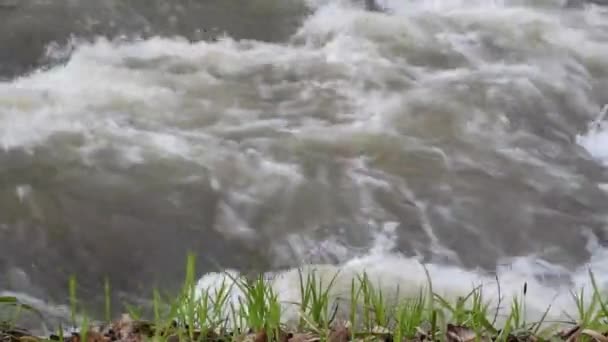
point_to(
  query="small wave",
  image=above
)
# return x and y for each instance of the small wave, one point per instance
(595, 141)
(399, 277)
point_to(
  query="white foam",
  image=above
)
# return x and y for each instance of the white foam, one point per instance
(103, 93)
(399, 277)
(23, 191)
(595, 141)
(128, 96)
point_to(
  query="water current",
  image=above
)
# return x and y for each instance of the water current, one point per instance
(467, 136)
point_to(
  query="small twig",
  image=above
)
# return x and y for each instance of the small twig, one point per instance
(556, 322)
(334, 314)
(499, 300)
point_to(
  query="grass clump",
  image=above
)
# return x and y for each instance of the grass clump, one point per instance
(251, 310)
(316, 301)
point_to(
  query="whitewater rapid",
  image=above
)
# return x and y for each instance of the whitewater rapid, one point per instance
(548, 293)
(465, 136)
(549, 286)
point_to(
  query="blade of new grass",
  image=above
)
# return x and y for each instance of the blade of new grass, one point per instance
(108, 300)
(410, 315)
(73, 302)
(315, 299)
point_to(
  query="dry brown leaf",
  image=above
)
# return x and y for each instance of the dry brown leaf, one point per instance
(242, 337)
(595, 335)
(127, 330)
(14, 333)
(568, 334)
(378, 330)
(261, 336)
(94, 336)
(284, 336)
(421, 335)
(306, 337)
(340, 333)
(122, 327)
(173, 338)
(456, 333)
(28, 339)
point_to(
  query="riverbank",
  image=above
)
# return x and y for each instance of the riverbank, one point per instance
(205, 314)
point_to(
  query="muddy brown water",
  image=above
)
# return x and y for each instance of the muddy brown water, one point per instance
(268, 134)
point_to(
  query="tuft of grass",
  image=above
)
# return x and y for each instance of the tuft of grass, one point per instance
(376, 313)
(410, 315)
(260, 308)
(471, 311)
(15, 308)
(195, 315)
(315, 305)
(602, 316)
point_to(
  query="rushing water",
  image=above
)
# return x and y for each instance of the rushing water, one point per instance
(467, 135)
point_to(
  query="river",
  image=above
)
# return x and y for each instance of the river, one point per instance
(465, 135)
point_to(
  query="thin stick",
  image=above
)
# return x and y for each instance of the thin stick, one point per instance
(499, 300)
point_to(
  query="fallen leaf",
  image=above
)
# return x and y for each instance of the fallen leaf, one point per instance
(173, 338)
(284, 336)
(421, 335)
(340, 333)
(94, 336)
(303, 338)
(261, 336)
(595, 335)
(569, 333)
(28, 339)
(456, 333)
(380, 330)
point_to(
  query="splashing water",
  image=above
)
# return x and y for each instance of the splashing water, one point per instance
(596, 139)
(447, 133)
(547, 297)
